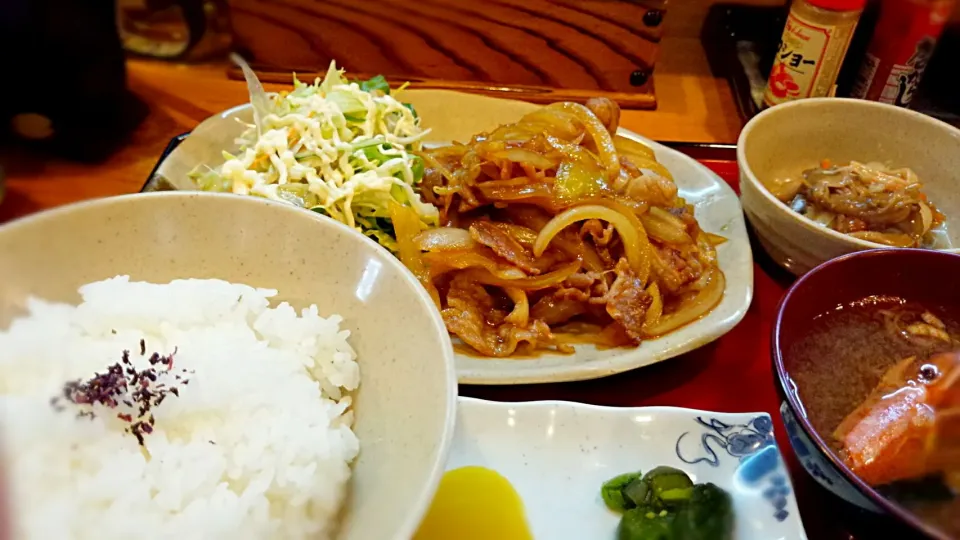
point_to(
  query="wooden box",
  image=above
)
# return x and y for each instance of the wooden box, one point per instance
(537, 50)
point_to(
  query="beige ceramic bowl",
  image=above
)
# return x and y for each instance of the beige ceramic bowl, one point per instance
(788, 139)
(406, 403)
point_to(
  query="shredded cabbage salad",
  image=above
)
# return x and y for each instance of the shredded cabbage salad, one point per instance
(340, 148)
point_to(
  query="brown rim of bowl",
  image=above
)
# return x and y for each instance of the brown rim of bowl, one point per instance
(796, 407)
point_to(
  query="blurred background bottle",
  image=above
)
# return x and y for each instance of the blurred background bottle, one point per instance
(811, 51)
(182, 30)
(900, 49)
(64, 89)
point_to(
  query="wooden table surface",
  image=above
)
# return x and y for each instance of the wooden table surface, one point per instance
(732, 374)
(694, 107)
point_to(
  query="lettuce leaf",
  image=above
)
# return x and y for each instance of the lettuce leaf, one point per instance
(374, 83)
(352, 108)
(409, 106)
(333, 78)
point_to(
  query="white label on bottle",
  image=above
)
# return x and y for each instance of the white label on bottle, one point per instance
(799, 60)
(897, 89)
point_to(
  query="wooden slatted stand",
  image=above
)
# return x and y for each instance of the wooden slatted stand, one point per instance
(537, 50)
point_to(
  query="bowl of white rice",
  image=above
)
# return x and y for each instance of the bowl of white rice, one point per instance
(202, 366)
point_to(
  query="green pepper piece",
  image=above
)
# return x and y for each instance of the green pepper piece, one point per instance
(638, 491)
(612, 491)
(666, 478)
(676, 497)
(416, 165)
(707, 516)
(641, 524)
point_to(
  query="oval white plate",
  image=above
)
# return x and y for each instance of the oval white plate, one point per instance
(453, 116)
(558, 454)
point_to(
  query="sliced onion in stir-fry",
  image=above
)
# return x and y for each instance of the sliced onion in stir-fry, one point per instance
(434, 163)
(522, 155)
(506, 191)
(665, 227)
(520, 315)
(640, 156)
(534, 283)
(643, 242)
(691, 309)
(591, 259)
(576, 181)
(512, 133)
(441, 262)
(573, 246)
(715, 239)
(444, 239)
(655, 311)
(557, 123)
(631, 147)
(630, 233)
(706, 244)
(606, 151)
(406, 225)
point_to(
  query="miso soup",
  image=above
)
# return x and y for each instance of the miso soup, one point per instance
(880, 381)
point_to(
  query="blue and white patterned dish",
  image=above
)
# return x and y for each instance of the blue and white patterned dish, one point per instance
(815, 463)
(557, 454)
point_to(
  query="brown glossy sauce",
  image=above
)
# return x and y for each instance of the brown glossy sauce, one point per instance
(569, 334)
(838, 364)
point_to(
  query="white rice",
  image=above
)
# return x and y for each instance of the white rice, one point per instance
(258, 444)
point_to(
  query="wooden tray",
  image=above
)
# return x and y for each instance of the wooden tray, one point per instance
(535, 50)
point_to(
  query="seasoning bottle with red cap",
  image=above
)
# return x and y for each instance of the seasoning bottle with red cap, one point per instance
(811, 51)
(903, 42)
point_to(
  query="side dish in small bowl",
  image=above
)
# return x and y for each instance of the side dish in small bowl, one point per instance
(866, 349)
(867, 201)
(821, 178)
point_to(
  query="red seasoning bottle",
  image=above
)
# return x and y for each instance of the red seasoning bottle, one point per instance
(901, 47)
(815, 40)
